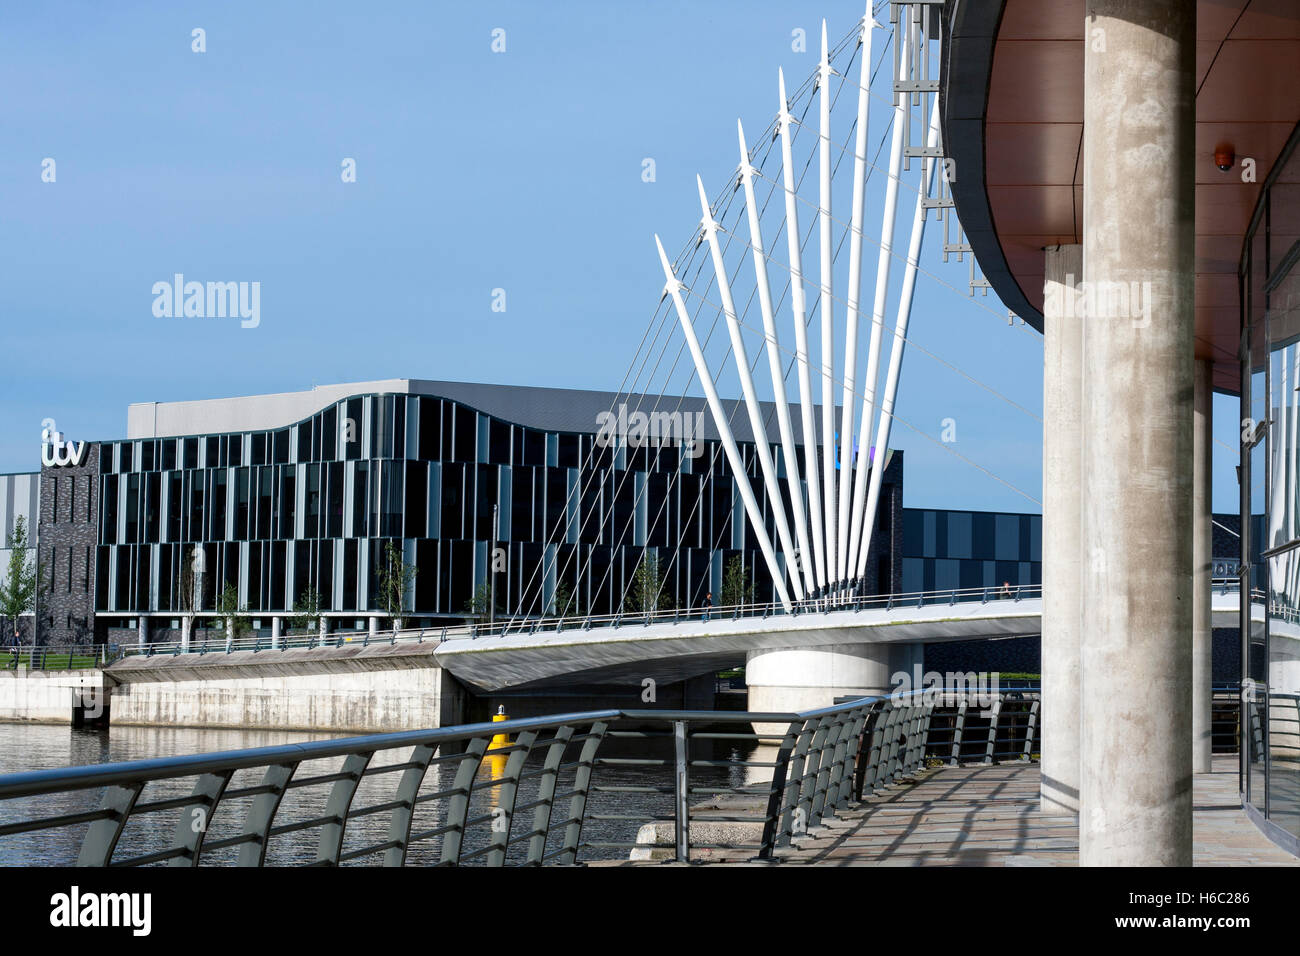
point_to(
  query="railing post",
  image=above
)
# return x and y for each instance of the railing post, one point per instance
(990, 751)
(794, 818)
(507, 793)
(261, 814)
(863, 761)
(581, 787)
(772, 821)
(102, 836)
(458, 803)
(559, 743)
(959, 725)
(399, 824)
(1030, 727)
(189, 836)
(681, 783)
(330, 845)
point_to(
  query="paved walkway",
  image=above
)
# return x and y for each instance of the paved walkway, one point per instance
(989, 816)
(985, 816)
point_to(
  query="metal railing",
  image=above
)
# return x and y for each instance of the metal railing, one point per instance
(848, 604)
(219, 643)
(58, 656)
(515, 791)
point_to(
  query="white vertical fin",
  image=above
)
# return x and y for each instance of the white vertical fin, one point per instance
(852, 298)
(755, 513)
(827, 254)
(902, 116)
(741, 356)
(799, 306)
(792, 476)
(900, 336)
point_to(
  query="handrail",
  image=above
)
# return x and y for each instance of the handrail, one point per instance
(57, 656)
(531, 625)
(826, 758)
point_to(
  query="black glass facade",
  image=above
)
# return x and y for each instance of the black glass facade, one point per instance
(951, 550)
(313, 505)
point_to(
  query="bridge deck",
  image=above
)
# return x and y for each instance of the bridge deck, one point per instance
(989, 816)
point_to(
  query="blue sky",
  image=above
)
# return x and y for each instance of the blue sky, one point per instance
(476, 171)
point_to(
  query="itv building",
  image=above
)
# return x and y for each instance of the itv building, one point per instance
(278, 496)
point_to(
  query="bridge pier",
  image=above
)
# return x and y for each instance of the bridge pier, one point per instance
(805, 678)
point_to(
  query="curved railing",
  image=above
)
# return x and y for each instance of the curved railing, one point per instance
(517, 791)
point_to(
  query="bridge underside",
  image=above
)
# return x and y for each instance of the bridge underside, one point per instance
(668, 652)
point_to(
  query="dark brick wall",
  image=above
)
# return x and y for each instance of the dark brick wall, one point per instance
(69, 522)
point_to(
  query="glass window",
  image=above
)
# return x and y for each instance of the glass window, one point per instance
(430, 429)
(959, 534)
(1007, 530)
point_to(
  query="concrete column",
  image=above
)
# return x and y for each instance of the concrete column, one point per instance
(804, 678)
(374, 627)
(142, 625)
(1062, 514)
(275, 632)
(1138, 262)
(324, 628)
(187, 627)
(1202, 565)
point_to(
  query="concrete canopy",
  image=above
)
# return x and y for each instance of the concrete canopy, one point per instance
(1012, 89)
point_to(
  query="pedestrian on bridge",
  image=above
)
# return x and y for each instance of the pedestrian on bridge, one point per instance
(708, 603)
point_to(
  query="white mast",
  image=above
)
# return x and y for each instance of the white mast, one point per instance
(828, 313)
(741, 357)
(900, 341)
(799, 305)
(852, 297)
(792, 477)
(674, 289)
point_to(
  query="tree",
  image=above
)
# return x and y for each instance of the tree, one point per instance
(478, 604)
(191, 596)
(562, 604)
(18, 592)
(232, 614)
(647, 591)
(306, 611)
(395, 579)
(737, 588)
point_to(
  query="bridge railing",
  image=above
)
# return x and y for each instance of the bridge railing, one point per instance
(219, 643)
(518, 791)
(58, 656)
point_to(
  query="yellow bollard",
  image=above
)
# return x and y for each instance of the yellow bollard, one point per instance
(500, 740)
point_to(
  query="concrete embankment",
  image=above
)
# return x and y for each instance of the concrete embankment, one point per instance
(350, 689)
(52, 697)
(379, 687)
